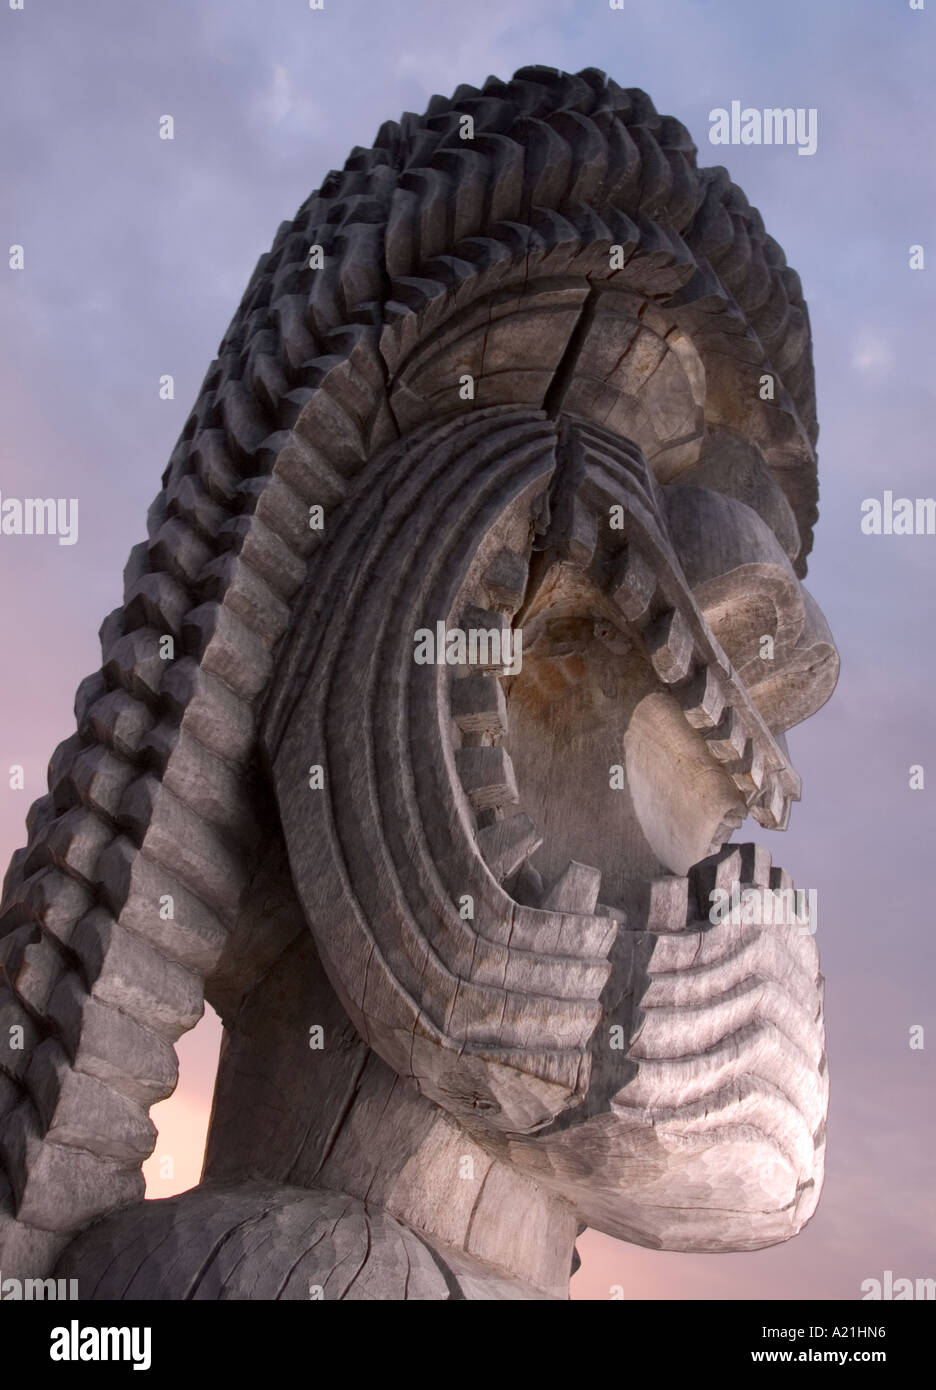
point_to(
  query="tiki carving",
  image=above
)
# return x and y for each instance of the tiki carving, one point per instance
(482, 555)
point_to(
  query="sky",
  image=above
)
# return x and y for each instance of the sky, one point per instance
(136, 251)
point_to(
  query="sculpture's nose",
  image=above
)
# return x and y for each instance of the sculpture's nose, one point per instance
(768, 625)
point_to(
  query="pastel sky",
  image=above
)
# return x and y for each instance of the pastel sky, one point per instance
(136, 253)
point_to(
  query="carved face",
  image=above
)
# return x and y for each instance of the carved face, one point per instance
(505, 856)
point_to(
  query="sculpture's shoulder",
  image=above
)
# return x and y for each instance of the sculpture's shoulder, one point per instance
(261, 1241)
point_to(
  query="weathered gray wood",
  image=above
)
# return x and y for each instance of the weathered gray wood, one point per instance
(614, 488)
(575, 890)
(487, 776)
(111, 1045)
(129, 974)
(635, 585)
(506, 844)
(478, 705)
(178, 550)
(119, 721)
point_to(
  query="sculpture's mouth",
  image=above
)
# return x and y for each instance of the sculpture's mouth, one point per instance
(602, 761)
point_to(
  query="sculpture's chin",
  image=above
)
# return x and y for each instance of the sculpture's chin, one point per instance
(703, 1125)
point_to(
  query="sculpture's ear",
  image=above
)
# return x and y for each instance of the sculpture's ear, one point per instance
(488, 1004)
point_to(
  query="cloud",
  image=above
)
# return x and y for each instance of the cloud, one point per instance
(872, 356)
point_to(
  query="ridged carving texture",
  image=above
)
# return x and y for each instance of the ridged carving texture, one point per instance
(143, 799)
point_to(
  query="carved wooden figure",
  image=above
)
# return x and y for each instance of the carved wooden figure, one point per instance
(481, 555)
